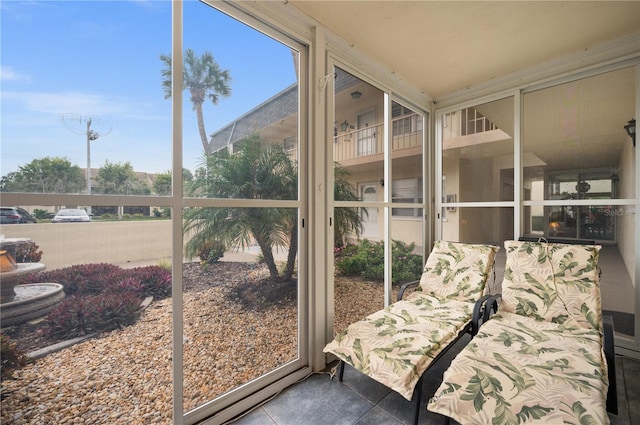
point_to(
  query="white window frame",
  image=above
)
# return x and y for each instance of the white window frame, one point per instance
(416, 189)
(624, 345)
(235, 402)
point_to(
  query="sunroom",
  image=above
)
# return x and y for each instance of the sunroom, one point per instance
(475, 122)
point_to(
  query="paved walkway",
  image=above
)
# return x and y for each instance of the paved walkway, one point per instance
(249, 255)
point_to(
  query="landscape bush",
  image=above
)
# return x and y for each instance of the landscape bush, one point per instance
(11, 358)
(407, 266)
(155, 280)
(78, 316)
(101, 297)
(211, 252)
(82, 279)
(367, 261)
(41, 214)
(28, 253)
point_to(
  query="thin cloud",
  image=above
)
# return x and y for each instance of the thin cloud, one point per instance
(8, 74)
(22, 11)
(76, 102)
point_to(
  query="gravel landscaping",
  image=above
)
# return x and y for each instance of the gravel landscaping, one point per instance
(238, 325)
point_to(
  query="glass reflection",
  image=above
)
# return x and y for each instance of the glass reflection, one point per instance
(407, 165)
(358, 141)
(359, 271)
(477, 153)
(480, 225)
(572, 150)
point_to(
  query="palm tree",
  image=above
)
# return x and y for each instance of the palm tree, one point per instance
(257, 172)
(253, 172)
(347, 220)
(204, 79)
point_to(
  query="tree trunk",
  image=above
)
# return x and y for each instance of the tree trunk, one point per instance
(201, 130)
(293, 251)
(267, 254)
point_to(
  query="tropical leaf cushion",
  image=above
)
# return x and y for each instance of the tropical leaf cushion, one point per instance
(457, 270)
(553, 282)
(397, 344)
(518, 370)
(540, 359)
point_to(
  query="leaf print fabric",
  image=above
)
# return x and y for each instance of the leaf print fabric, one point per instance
(396, 345)
(553, 282)
(540, 359)
(457, 271)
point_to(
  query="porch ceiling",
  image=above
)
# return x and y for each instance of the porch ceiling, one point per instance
(444, 46)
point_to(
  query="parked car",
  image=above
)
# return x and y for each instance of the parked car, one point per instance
(70, 215)
(25, 216)
(9, 215)
(15, 215)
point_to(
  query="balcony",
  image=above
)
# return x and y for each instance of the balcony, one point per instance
(352, 147)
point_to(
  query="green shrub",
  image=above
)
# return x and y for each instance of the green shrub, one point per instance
(11, 358)
(356, 260)
(211, 252)
(367, 260)
(345, 251)
(165, 263)
(42, 214)
(407, 266)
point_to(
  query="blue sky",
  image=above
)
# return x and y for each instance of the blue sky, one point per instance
(101, 59)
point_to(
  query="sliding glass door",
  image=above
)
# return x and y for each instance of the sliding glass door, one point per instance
(574, 180)
(476, 160)
(580, 181)
(243, 291)
(379, 184)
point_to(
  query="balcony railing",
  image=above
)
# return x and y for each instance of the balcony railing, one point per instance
(407, 133)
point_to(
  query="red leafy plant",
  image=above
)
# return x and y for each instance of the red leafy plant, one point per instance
(101, 297)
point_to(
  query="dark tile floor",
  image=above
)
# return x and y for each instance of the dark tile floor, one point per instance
(358, 400)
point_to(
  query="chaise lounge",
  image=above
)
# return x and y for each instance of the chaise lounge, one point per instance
(396, 345)
(541, 358)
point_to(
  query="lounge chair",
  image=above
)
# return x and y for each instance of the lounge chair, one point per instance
(541, 358)
(396, 345)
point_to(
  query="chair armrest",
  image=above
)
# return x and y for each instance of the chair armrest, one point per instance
(482, 311)
(610, 357)
(492, 305)
(404, 287)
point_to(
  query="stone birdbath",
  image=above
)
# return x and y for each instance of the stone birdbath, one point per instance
(23, 302)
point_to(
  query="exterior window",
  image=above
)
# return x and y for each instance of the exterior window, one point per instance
(474, 122)
(408, 191)
(405, 121)
(290, 144)
(291, 147)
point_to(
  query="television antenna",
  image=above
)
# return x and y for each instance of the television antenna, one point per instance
(79, 124)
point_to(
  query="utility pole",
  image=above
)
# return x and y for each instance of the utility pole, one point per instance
(90, 134)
